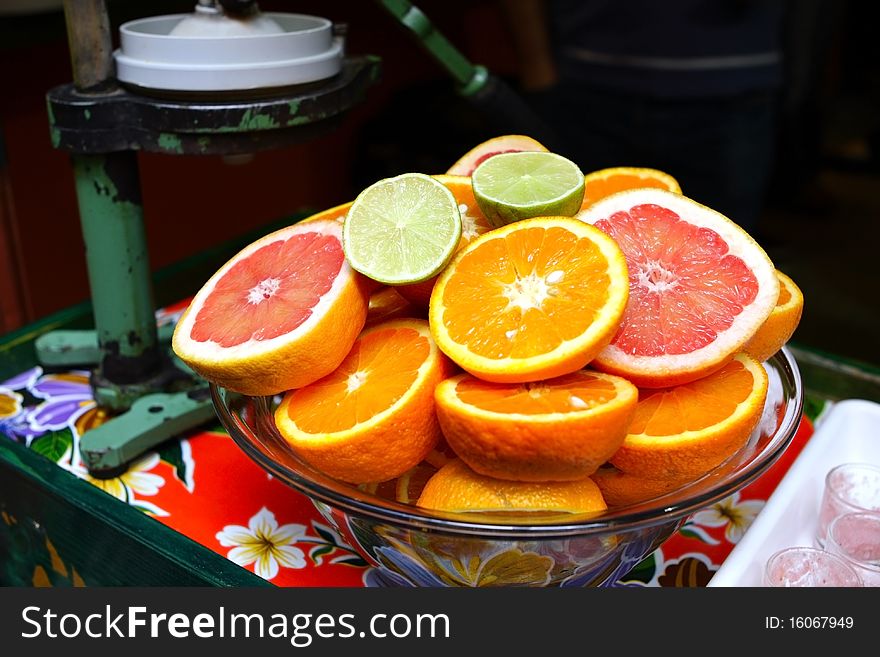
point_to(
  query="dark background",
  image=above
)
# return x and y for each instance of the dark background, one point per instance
(821, 222)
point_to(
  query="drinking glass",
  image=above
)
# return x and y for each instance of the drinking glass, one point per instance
(856, 538)
(809, 567)
(849, 487)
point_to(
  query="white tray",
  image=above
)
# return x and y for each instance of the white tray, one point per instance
(849, 432)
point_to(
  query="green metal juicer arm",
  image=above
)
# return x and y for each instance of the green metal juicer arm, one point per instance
(505, 109)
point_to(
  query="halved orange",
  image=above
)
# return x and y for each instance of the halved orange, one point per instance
(605, 182)
(473, 224)
(466, 164)
(457, 488)
(386, 303)
(778, 328)
(555, 430)
(531, 300)
(688, 430)
(373, 417)
(700, 287)
(280, 314)
(622, 489)
(404, 489)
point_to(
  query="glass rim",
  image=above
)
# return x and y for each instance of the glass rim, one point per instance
(839, 561)
(835, 493)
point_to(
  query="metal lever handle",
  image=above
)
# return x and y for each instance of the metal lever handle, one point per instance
(152, 419)
(501, 104)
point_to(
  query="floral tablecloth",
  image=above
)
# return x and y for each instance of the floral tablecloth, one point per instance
(203, 486)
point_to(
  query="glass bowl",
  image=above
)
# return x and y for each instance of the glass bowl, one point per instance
(410, 546)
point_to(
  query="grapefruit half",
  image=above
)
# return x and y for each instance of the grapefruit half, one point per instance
(700, 287)
(282, 313)
(481, 152)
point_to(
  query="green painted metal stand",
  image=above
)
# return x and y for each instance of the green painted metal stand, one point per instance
(135, 376)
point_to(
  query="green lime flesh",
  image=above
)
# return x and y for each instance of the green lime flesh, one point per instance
(512, 186)
(402, 230)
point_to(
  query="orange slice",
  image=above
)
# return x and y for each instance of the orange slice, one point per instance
(372, 418)
(605, 182)
(622, 489)
(555, 430)
(386, 303)
(700, 287)
(336, 213)
(280, 314)
(473, 224)
(457, 488)
(404, 489)
(480, 153)
(687, 430)
(531, 300)
(782, 323)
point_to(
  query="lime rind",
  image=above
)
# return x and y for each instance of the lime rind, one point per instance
(513, 186)
(402, 230)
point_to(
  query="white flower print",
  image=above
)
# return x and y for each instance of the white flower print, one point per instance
(738, 516)
(264, 544)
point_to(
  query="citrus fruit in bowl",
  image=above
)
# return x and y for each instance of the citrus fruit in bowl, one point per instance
(569, 542)
(481, 378)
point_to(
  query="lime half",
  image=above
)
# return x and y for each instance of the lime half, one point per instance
(402, 230)
(513, 186)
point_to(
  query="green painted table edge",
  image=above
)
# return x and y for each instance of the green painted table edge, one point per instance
(63, 531)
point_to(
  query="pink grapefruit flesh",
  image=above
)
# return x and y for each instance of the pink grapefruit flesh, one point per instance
(275, 303)
(699, 287)
(281, 314)
(481, 152)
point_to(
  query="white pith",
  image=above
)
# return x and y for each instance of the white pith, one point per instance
(468, 222)
(654, 277)
(355, 380)
(527, 292)
(263, 291)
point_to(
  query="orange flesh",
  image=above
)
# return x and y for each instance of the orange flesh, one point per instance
(694, 406)
(784, 295)
(563, 394)
(379, 369)
(473, 223)
(685, 288)
(564, 275)
(601, 187)
(271, 292)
